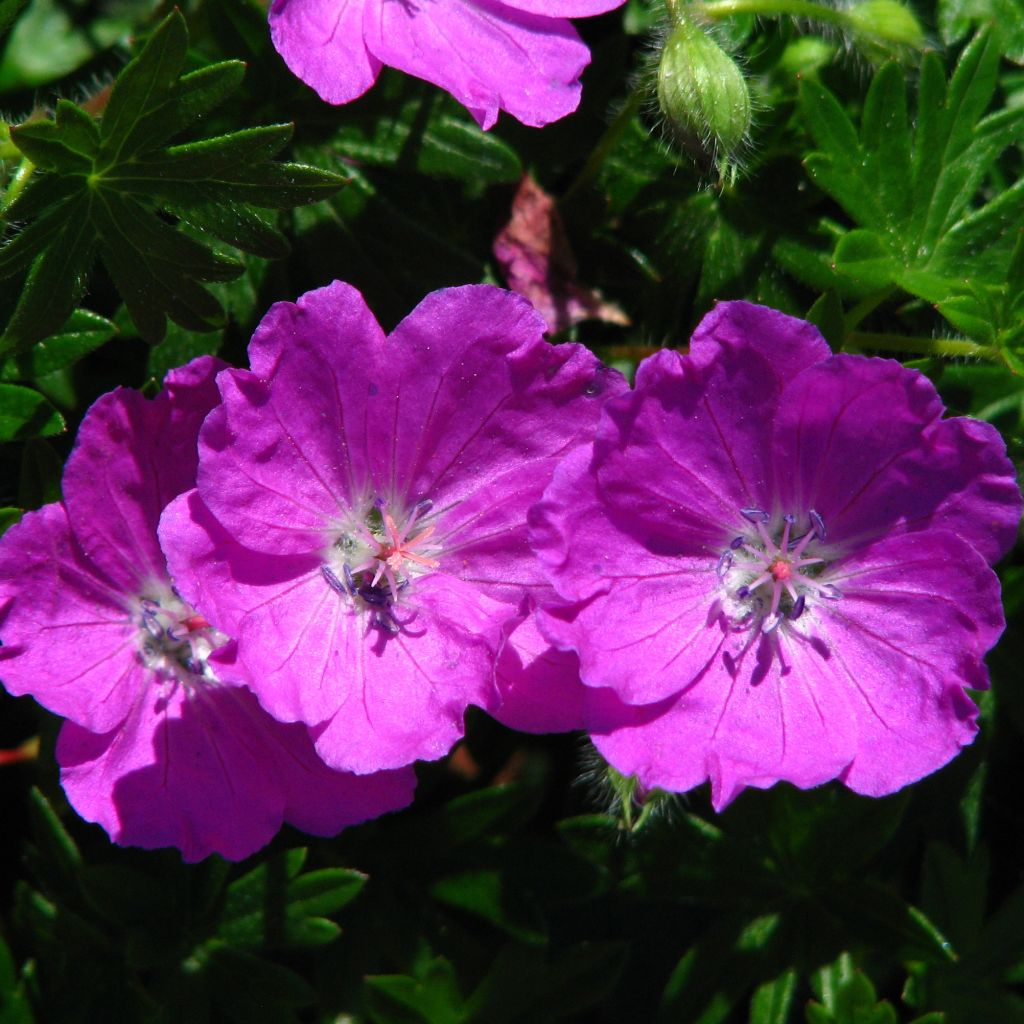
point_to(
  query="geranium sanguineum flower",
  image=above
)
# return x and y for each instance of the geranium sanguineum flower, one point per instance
(158, 748)
(522, 56)
(778, 558)
(359, 525)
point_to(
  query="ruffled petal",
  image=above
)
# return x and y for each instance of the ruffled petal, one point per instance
(131, 457)
(489, 56)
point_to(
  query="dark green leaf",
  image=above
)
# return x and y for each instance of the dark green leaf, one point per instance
(40, 474)
(140, 88)
(83, 333)
(8, 12)
(106, 188)
(432, 999)
(55, 281)
(26, 413)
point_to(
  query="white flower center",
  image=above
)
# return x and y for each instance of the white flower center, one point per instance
(767, 576)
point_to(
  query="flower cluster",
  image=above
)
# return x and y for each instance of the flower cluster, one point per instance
(269, 591)
(522, 56)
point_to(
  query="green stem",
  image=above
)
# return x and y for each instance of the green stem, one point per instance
(947, 348)
(608, 141)
(770, 9)
(18, 182)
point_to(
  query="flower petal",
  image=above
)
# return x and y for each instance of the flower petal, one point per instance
(131, 457)
(489, 56)
(68, 638)
(321, 41)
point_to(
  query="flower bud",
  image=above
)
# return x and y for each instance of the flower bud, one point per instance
(702, 94)
(886, 25)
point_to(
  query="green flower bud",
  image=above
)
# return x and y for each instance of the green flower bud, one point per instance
(885, 25)
(702, 94)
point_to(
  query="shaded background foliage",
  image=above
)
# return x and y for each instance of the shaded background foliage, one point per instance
(883, 199)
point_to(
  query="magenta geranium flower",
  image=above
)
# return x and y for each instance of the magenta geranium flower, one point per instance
(159, 748)
(522, 56)
(360, 520)
(779, 559)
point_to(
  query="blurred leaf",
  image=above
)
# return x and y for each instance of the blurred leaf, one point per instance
(14, 1005)
(41, 471)
(26, 413)
(8, 12)
(83, 333)
(55, 860)
(8, 517)
(427, 132)
(275, 905)
(773, 1000)
(100, 187)
(531, 985)
(957, 17)
(252, 990)
(45, 43)
(433, 998)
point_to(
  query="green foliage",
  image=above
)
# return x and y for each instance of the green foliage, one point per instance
(524, 885)
(99, 185)
(912, 194)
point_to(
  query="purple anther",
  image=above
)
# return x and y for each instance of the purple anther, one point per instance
(789, 518)
(379, 502)
(175, 635)
(724, 564)
(817, 524)
(755, 515)
(335, 584)
(829, 591)
(772, 622)
(350, 580)
(423, 507)
(743, 593)
(798, 607)
(149, 607)
(736, 543)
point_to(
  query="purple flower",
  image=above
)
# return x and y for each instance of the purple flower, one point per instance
(778, 558)
(360, 520)
(522, 56)
(159, 748)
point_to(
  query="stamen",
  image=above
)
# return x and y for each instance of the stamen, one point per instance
(829, 591)
(736, 543)
(724, 564)
(743, 593)
(333, 581)
(817, 524)
(798, 607)
(755, 515)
